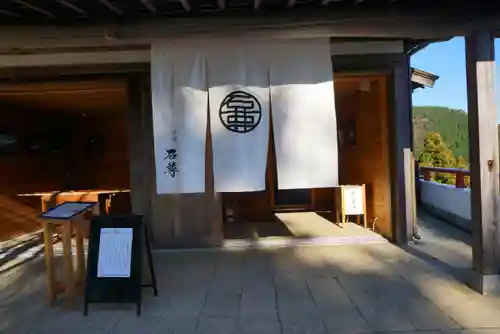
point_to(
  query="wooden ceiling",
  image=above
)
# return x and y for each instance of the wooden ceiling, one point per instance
(116, 11)
(68, 98)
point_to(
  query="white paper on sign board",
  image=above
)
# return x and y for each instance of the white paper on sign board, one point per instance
(353, 200)
(115, 252)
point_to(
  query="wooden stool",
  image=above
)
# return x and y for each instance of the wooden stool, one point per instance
(72, 278)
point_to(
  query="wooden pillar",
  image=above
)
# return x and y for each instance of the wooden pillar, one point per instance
(483, 146)
(400, 139)
(140, 148)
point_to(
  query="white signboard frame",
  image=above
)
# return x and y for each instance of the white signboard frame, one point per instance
(115, 253)
(352, 200)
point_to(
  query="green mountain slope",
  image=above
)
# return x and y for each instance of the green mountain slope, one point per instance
(450, 123)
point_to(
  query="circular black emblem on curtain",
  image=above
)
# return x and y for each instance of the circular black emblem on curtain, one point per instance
(240, 112)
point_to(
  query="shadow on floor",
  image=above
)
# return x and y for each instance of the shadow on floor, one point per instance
(16, 252)
(296, 225)
(256, 230)
(443, 245)
(340, 289)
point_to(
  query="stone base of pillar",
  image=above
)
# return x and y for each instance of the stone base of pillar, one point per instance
(485, 284)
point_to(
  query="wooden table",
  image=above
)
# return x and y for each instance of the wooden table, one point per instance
(102, 196)
(74, 226)
(78, 227)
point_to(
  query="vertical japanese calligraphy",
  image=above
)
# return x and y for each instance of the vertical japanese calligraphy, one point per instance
(180, 102)
(170, 156)
(353, 200)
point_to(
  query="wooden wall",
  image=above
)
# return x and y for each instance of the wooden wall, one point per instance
(188, 220)
(21, 169)
(184, 220)
(106, 166)
(367, 160)
(79, 168)
(20, 172)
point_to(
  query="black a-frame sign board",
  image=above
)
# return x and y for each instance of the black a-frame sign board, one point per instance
(114, 262)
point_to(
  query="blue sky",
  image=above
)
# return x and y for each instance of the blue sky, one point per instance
(447, 59)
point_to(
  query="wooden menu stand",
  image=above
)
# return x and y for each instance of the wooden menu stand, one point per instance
(69, 217)
(352, 199)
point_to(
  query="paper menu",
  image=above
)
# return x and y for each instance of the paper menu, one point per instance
(115, 253)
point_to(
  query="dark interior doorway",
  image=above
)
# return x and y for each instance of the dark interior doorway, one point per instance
(295, 199)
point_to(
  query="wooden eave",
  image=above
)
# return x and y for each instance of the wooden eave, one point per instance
(422, 79)
(73, 12)
(123, 23)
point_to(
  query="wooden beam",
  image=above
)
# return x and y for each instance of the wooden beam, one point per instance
(75, 58)
(142, 55)
(72, 6)
(112, 6)
(284, 25)
(186, 4)
(34, 8)
(149, 5)
(484, 160)
(62, 91)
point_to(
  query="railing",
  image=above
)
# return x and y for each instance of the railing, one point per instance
(460, 174)
(449, 202)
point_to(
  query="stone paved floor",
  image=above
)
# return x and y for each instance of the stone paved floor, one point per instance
(376, 288)
(444, 246)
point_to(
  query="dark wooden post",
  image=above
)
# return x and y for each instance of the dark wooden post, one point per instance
(483, 146)
(401, 127)
(427, 175)
(460, 180)
(140, 147)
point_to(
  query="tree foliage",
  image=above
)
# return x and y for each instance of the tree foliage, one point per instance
(436, 153)
(451, 124)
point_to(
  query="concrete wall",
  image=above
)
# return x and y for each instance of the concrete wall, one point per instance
(447, 202)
